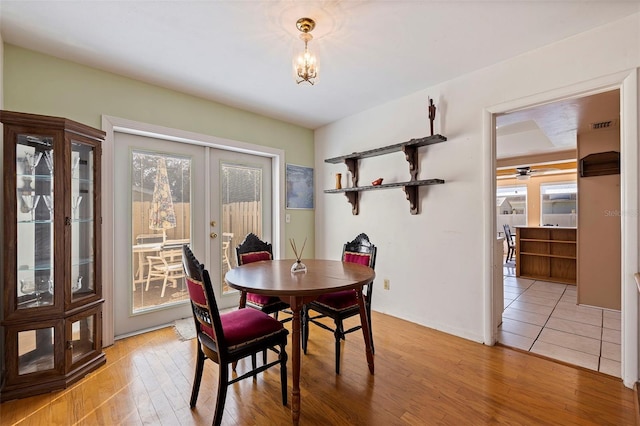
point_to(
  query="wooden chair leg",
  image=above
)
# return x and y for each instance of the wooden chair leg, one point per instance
(223, 381)
(339, 334)
(254, 365)
(264, 357)
(283, 373)
(304, 329)
(197, 377)
(373, 351)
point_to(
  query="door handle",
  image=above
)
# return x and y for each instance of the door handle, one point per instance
(213, 235)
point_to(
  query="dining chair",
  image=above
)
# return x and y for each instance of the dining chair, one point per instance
(227, 338)
(511, 244)
(167, 266)
(341, 305)
(253, 249)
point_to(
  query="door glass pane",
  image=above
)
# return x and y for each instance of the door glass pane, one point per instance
(34, 190)
(35, 350)
(82, 221)
(559, 204)
(160, 224)
(241, 194)
(511, 207)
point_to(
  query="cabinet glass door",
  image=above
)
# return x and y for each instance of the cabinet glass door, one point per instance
(82, 221)
(35, 230)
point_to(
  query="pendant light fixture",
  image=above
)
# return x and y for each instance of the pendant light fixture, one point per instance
(305, 65)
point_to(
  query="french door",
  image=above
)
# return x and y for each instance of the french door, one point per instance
(170, 193)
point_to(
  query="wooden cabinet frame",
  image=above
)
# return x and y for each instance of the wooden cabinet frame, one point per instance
(38, 331)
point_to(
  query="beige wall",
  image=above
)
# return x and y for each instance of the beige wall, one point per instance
(533, 192)
(599, 246)
(42, 84)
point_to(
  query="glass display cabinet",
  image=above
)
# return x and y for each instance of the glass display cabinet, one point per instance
(52, 291)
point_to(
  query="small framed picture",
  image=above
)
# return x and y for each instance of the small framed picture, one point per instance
(299, 187)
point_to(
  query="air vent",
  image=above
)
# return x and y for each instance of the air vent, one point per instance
(601, 125)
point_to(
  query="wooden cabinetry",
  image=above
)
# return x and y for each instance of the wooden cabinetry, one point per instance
(410, 149)
(52, 290)
(546, 253)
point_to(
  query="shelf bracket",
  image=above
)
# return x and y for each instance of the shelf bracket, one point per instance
(412, 196)
(411, 154)
(352, 196)
(352, 166)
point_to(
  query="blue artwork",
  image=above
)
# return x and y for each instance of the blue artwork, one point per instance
(299, 187)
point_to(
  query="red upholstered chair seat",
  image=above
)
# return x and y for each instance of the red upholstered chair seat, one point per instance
(339, 300)
(261, 300)
(246, 325)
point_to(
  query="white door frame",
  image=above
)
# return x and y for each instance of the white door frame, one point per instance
(115, 124)
(627, 83)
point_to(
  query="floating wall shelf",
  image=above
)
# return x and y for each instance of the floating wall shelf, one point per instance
(410, 149)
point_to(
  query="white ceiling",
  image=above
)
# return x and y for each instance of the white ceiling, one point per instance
(554, 127)
(239, 52)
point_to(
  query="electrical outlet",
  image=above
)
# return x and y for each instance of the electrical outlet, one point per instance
(386, 284)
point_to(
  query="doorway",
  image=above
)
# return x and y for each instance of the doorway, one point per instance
(628, 85)
(146, 291)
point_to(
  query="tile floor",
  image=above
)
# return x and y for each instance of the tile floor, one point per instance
(543, 317)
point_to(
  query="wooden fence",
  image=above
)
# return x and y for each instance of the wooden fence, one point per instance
(237, 218)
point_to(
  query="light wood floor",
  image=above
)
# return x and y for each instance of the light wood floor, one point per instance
(423, 377)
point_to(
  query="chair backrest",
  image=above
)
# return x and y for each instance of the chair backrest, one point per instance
(507, 233)
(203, 302)
(253, 249)
(360, 250)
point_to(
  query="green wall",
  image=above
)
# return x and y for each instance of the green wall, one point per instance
(41, 84)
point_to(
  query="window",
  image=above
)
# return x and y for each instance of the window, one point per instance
(511, 206)
(558, 206)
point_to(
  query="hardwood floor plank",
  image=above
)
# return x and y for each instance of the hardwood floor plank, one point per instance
(422, 377)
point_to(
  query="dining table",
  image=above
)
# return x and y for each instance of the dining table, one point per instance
(275, 278)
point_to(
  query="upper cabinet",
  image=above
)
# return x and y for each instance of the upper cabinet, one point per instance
(52, 295)
(410, 149)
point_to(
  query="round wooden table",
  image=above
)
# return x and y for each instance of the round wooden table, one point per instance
(274, 278)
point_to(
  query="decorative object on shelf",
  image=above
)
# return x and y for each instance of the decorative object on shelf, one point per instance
(432, 114)
(338, 180)
(410, 149)
(298, 266)
(75, 203)
(30, 203)
(48, 158)
(305, 65)
(299, 189)
(77, 284)
(377, 182)
(75, 161)
(48, 201)
(32, 161)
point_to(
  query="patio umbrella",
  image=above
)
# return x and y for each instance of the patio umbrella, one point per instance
(162, 215)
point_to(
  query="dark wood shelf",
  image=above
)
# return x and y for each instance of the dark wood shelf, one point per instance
(600, 164)
(413, 143)
(410, 150)
(387, 185)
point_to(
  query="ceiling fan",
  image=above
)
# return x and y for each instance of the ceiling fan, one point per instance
(525, 172)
